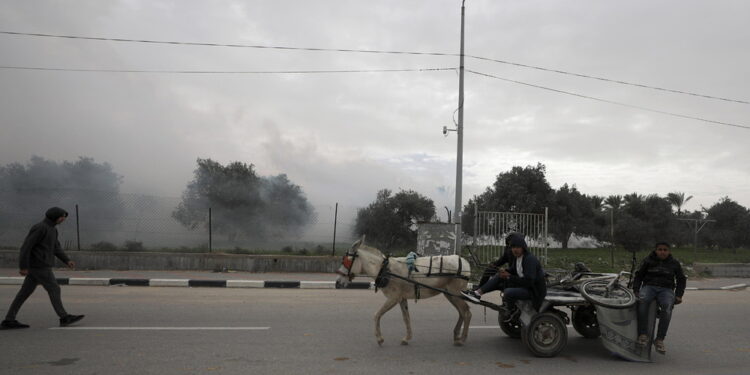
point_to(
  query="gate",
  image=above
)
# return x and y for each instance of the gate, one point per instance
(491, 228)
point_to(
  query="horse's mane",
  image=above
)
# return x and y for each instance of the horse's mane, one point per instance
(371, 250)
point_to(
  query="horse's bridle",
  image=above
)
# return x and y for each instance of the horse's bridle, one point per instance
(348, 262)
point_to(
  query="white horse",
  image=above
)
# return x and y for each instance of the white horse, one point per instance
(453, 277)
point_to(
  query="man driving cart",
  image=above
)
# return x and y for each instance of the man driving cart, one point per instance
(523, 280)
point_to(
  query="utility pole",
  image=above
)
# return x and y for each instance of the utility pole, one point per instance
(335, 221)
(697, 229)
(460, 142)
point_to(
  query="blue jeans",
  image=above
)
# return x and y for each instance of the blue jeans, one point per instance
(665, 298)
(511, 295)
(493, 283)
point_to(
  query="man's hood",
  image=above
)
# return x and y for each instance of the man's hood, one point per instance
(518, 240)
(55, 213)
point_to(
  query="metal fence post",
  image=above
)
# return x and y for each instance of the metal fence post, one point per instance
(335, 220)
(78, 230)
(546, 229)
(210, 232)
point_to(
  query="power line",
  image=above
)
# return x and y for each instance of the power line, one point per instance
(378, 52)
(365, 71)
(609, 101)
(224, 72)
(610, 80)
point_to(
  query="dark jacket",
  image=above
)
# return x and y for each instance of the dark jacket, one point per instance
(663, 273)
(41, 246)
(504, 258)
(533, 274)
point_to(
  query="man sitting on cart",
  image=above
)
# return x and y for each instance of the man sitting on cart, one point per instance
(494, 267)
(524, 279)
(659, 277)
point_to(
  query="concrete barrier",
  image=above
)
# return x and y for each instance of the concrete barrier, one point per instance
(89, 260)
(11, 280)
(88, 281)
(245, 284)
(723, 269)
(168, 282)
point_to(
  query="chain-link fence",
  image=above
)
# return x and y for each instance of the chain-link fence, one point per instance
(100, 220)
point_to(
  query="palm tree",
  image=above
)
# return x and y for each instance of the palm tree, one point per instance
(631, 199)
(678, 200)
(613, 201)
(597, 202)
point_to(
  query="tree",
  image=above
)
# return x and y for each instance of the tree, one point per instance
(570, 212)
(597, 202)
(644, 220)
(614, 202)
(243, 204)
(388, 222)
(27, 191)
(522, 189)
(732, 226)
(633, 233)
(677, 199)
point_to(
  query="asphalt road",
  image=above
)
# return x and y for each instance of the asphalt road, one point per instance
(293, 331)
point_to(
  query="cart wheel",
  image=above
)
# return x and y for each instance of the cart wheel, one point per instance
(619, 297)
(585, 323)
(512, 328)
(546, 335)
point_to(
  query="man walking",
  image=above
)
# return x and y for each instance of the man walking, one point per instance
(36, 260)
(659, 277)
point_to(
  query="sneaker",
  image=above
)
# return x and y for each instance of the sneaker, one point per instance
(659, 346)
(471, 295)
(642, 340)
(12, 324)
(70, 319)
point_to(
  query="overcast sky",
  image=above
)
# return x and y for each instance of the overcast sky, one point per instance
(344, 136)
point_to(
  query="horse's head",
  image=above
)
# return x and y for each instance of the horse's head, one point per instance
(351, 265)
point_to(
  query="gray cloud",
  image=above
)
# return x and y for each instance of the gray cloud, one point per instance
(344, 136)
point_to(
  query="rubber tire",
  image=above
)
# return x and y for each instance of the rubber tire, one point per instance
(583, 324)
(512, 329)
(586, 292)
(552, 323)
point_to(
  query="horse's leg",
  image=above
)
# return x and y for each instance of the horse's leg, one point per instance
(464, 318)
(389, 303)
(407, 320)
(467, 318)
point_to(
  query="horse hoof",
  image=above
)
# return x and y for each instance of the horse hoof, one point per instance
(458, 343)
(404, 342)
(380, 342)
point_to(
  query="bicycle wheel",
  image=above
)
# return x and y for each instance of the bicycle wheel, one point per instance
(616, 297)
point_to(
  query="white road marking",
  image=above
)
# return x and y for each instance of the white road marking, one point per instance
(165, 328)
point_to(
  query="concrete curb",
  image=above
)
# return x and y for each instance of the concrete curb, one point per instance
(201, 283)
(204, 283)
(728, 287)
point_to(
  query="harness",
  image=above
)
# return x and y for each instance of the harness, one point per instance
(440, 272)
(381, 280)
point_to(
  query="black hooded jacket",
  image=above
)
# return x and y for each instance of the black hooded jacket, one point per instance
(41, 246)
(663, 273)
(505, 258)
(533, 273)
